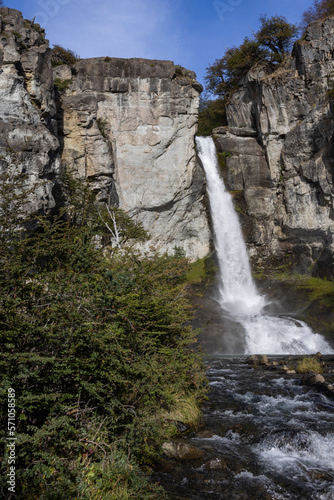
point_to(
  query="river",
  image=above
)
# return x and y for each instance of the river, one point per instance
(265, 435)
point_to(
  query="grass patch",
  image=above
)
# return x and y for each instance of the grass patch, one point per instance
(309, 365)
(320, 289)
(201, 271)
(185, 409)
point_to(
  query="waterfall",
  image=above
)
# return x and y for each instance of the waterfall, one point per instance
(238, 296)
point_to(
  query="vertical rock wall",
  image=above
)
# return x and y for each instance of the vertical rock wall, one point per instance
(279, 153)
(27, 106)
(127, 125)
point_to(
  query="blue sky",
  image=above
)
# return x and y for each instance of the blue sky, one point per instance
(192, 33)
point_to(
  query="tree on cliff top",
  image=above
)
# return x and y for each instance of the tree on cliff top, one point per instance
(319, 10)
(269, 46)
(266, 48)
(60, 56)
(277, 34)
(225, 73)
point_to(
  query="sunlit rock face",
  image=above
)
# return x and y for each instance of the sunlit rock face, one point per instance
(128, 125)
(27, 107)
(281, 156)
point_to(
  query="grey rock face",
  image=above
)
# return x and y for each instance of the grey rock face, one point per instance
(27, 110)
(127, 125)
(280, 137)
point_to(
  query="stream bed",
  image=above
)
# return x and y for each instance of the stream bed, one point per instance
(265, 436)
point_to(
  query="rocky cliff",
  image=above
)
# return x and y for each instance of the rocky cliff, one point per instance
(28, 132)
(277, 156)
(127, 125)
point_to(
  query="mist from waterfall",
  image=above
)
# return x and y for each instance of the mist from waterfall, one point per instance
(238, 295)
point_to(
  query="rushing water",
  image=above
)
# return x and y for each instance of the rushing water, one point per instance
(238, 296)
(267, 438)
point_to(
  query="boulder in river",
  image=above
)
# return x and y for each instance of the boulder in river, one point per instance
(312, 379)
(181, 450)
(257, 359)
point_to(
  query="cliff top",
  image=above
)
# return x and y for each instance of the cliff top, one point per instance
(30, 33)
(132, 68)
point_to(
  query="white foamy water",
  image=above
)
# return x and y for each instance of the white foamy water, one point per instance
(239, 297)
(281, 335)
(308, 449)
(238, 292)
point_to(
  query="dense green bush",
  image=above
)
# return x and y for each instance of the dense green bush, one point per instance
(95, 344)
(62, 84)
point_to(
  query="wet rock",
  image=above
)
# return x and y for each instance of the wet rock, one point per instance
(320, 474)
(290, 372)
(205, 434)
(182, 427)
(312, 379)
(285, 172)
(257, 359)
(165, 467)
(181, 450)
(216, 464)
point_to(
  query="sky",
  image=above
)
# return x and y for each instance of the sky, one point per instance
(192, 33)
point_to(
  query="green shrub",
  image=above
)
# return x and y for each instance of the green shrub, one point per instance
(60, 56)
(34, 26)
(212, 114)
(62, 84)
(96, 346)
